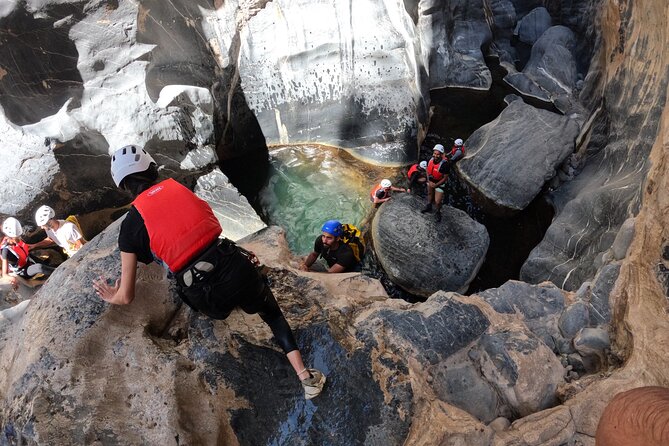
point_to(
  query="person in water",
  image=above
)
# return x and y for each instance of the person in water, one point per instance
(383, 191)
(16, 260)
(329, 245)
(168, 223)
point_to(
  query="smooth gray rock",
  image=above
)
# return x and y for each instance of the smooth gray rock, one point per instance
(539, 306)
(600, 306)
(550, 74)
(575, 317)
(506, 357)
(423, 256)
(623, 239)
(462, 385)
(592, 343)
(533, 25)
(510, 159)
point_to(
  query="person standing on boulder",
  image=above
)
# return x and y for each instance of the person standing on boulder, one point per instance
(169, 224)
(437, 175)
(382, 192)
(338, 255)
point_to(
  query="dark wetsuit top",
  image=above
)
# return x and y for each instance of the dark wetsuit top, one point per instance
(343, 255)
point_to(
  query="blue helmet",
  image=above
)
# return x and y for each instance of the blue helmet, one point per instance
(333, 227)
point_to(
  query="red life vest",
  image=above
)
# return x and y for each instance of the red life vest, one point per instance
(180, 225)
(455, 149)
(377, 188)
(433, 170)
(413, 169)
(20, 250)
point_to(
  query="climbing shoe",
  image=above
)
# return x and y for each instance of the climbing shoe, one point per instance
(437, 216)
(427, 208)
(314, 384)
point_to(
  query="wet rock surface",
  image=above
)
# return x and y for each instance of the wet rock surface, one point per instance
(422, 255)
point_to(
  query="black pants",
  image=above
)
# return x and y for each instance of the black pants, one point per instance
(236, 283)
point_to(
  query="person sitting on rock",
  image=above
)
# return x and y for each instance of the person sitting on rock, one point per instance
(457, 151)
(169, 224)
(16, 261)
(382, 192)
(437, 175)
(60, 232)
(338, 255)
(417, 176)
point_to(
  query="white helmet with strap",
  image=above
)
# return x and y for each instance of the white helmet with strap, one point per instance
(44, 214)
(458, 142)
(128, 160)
(385, 183)
(12, 227)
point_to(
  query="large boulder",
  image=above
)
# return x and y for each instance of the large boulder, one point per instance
(423, 256)
(551, 71)
(510, 159)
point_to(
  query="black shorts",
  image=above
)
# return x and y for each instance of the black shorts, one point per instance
(233, 282)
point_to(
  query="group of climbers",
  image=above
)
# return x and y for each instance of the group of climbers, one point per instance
(436, 174)
(19, 264)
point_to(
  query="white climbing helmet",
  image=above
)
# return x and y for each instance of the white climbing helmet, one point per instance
(12, 227)
(423, 164)
(44, 214)
(458, 142)
(386, 183)
(438, 148)
(128, 160)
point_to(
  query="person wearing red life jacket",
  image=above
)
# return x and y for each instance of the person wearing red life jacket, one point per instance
(169, 224)
(417, 176)
(15, 253)
(437, 175)
(457, 151)
(382, 192)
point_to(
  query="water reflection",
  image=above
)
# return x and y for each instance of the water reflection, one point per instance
(311, 184)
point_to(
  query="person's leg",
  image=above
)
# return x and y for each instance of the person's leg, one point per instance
(438, 198)
(430, 198)
(268, 309)
(39, 268)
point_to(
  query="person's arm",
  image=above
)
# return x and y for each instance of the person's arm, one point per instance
(121, 293)
(5, 267)
(378, 200)
(337, 268)
(398, 189)
(76, 246)
(42, 244)
(309, 260)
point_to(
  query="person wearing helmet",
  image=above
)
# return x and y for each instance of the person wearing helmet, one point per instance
(417, 176)
(329, 245)
(437, 175)
(457, 151)
(169, 224)
(382, 192)
(59, 232)
(16, 259)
